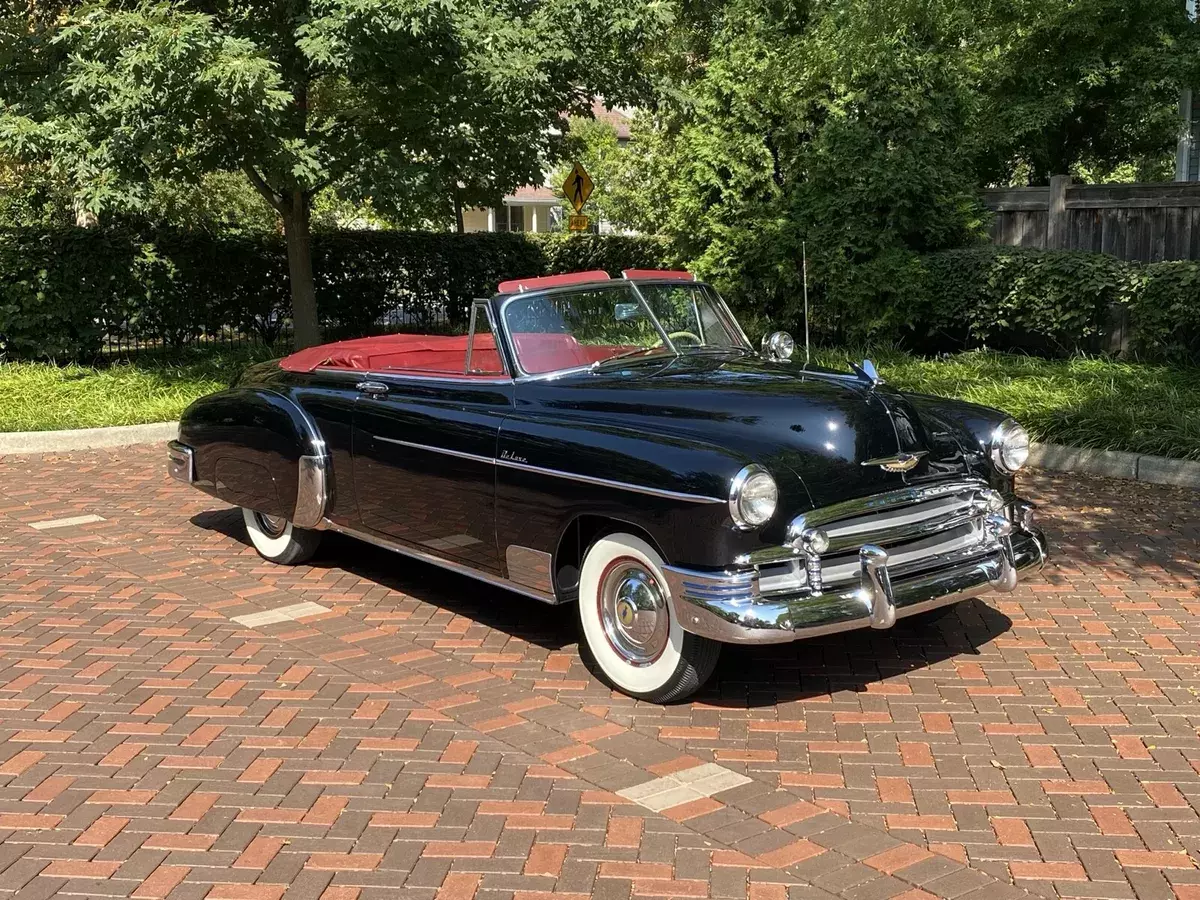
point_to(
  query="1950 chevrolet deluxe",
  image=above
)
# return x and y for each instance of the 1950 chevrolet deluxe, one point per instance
(620, 443)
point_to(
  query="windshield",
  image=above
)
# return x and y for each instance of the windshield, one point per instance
(592, 326)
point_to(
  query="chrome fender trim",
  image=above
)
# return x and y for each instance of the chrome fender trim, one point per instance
(312, 492)
(181, 462)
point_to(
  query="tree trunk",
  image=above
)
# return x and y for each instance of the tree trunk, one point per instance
(458, 211)
(306, 325)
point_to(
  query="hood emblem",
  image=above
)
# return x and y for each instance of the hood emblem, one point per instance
(901, 462)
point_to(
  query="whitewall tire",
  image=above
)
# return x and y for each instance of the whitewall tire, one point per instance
(278, 540)
(628, 630)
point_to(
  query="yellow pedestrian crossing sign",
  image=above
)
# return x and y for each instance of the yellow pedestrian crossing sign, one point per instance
(578, 187)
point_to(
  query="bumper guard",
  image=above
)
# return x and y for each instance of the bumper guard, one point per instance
(729, 606)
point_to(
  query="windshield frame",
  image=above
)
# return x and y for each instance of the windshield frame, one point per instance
(668, 348)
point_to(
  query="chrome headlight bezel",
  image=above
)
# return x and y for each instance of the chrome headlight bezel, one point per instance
(1009, 448)
(744, 483)
(778, 346)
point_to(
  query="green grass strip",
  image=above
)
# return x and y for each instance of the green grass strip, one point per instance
(1084, 402)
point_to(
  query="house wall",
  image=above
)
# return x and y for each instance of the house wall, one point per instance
(475, 220)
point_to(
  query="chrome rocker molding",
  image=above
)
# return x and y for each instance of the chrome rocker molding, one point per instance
(461, 569)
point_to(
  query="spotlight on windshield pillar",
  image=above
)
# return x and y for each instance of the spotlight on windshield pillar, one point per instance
(778, 346)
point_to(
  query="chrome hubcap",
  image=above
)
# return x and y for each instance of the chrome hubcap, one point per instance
(274, 526)
(633, 611)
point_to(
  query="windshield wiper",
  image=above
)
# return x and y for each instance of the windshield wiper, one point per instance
(628, 354)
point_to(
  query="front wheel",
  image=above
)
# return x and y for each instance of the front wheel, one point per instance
(278, 540)
(628, 629)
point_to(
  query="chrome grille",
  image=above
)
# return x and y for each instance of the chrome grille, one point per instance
(920, 527)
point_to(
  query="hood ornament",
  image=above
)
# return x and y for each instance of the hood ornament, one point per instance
(901, 462)
(868, 373)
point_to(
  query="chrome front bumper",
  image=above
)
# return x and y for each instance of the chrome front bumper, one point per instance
(730, 606)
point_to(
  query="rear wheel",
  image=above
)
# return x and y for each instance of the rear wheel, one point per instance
(277, 539)
(628, 629)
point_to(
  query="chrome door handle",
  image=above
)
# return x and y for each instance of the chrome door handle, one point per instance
(372, 387)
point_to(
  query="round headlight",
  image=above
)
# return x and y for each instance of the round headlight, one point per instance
(1010, 447)
(752, 497)
(778, 346)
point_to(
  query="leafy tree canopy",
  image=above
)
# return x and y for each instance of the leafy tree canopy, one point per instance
(863, 131)
(387, 99)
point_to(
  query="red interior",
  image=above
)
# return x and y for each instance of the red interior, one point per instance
(448, 354)
(421, 352)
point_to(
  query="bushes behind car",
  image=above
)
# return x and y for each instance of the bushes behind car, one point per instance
(1045, 302)
(70, 294)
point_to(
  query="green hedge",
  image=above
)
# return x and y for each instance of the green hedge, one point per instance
(1055, 302)
(69, 293)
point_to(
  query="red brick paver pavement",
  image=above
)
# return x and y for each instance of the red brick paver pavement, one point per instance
(432, 737)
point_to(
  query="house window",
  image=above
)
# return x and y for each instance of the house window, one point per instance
(516, 218)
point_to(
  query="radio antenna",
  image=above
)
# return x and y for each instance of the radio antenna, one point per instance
(804, 269)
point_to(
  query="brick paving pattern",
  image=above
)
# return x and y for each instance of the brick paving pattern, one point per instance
(402, 732)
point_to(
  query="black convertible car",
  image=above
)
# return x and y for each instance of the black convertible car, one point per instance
(620, 444)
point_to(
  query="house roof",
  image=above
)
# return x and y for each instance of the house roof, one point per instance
(532, 194)
(614, 117)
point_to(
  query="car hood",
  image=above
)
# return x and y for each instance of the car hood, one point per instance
(823, 426)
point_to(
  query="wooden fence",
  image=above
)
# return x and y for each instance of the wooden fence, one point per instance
(1144, 222)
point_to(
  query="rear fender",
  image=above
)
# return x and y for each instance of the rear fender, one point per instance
(258, 449)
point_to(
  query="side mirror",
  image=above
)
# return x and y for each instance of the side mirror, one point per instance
(623, 312)
(778, 347)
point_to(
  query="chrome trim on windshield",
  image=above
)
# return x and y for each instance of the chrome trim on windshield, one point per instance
(556, 473)
(721, 307)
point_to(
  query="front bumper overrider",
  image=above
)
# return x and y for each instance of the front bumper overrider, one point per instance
(729, 606)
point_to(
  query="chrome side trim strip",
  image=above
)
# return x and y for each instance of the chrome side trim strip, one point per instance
(605, 482)
(430, 558)
(474, 457)
(556, 473)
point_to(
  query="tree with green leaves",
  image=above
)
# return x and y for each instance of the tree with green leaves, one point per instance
(382, 99)
(837, 125)
(1074, 86)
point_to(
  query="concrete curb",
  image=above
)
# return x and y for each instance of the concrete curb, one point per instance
(1115, 464)
(18, 442)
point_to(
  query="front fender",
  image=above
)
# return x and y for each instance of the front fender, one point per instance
(256, 448)
(971, 425)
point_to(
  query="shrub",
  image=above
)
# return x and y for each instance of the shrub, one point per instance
(66, 293)
(1044, 301)
(1164, 311)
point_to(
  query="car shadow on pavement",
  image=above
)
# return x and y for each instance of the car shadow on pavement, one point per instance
(745, 676)
(541, 624)
(851, 661)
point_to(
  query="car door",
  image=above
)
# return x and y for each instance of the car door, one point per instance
(424, 445)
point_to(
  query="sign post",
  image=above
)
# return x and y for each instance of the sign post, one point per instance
(577, 187)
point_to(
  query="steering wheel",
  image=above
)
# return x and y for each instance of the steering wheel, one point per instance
(686, 334)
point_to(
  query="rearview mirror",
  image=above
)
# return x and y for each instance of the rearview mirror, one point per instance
(626, 311)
